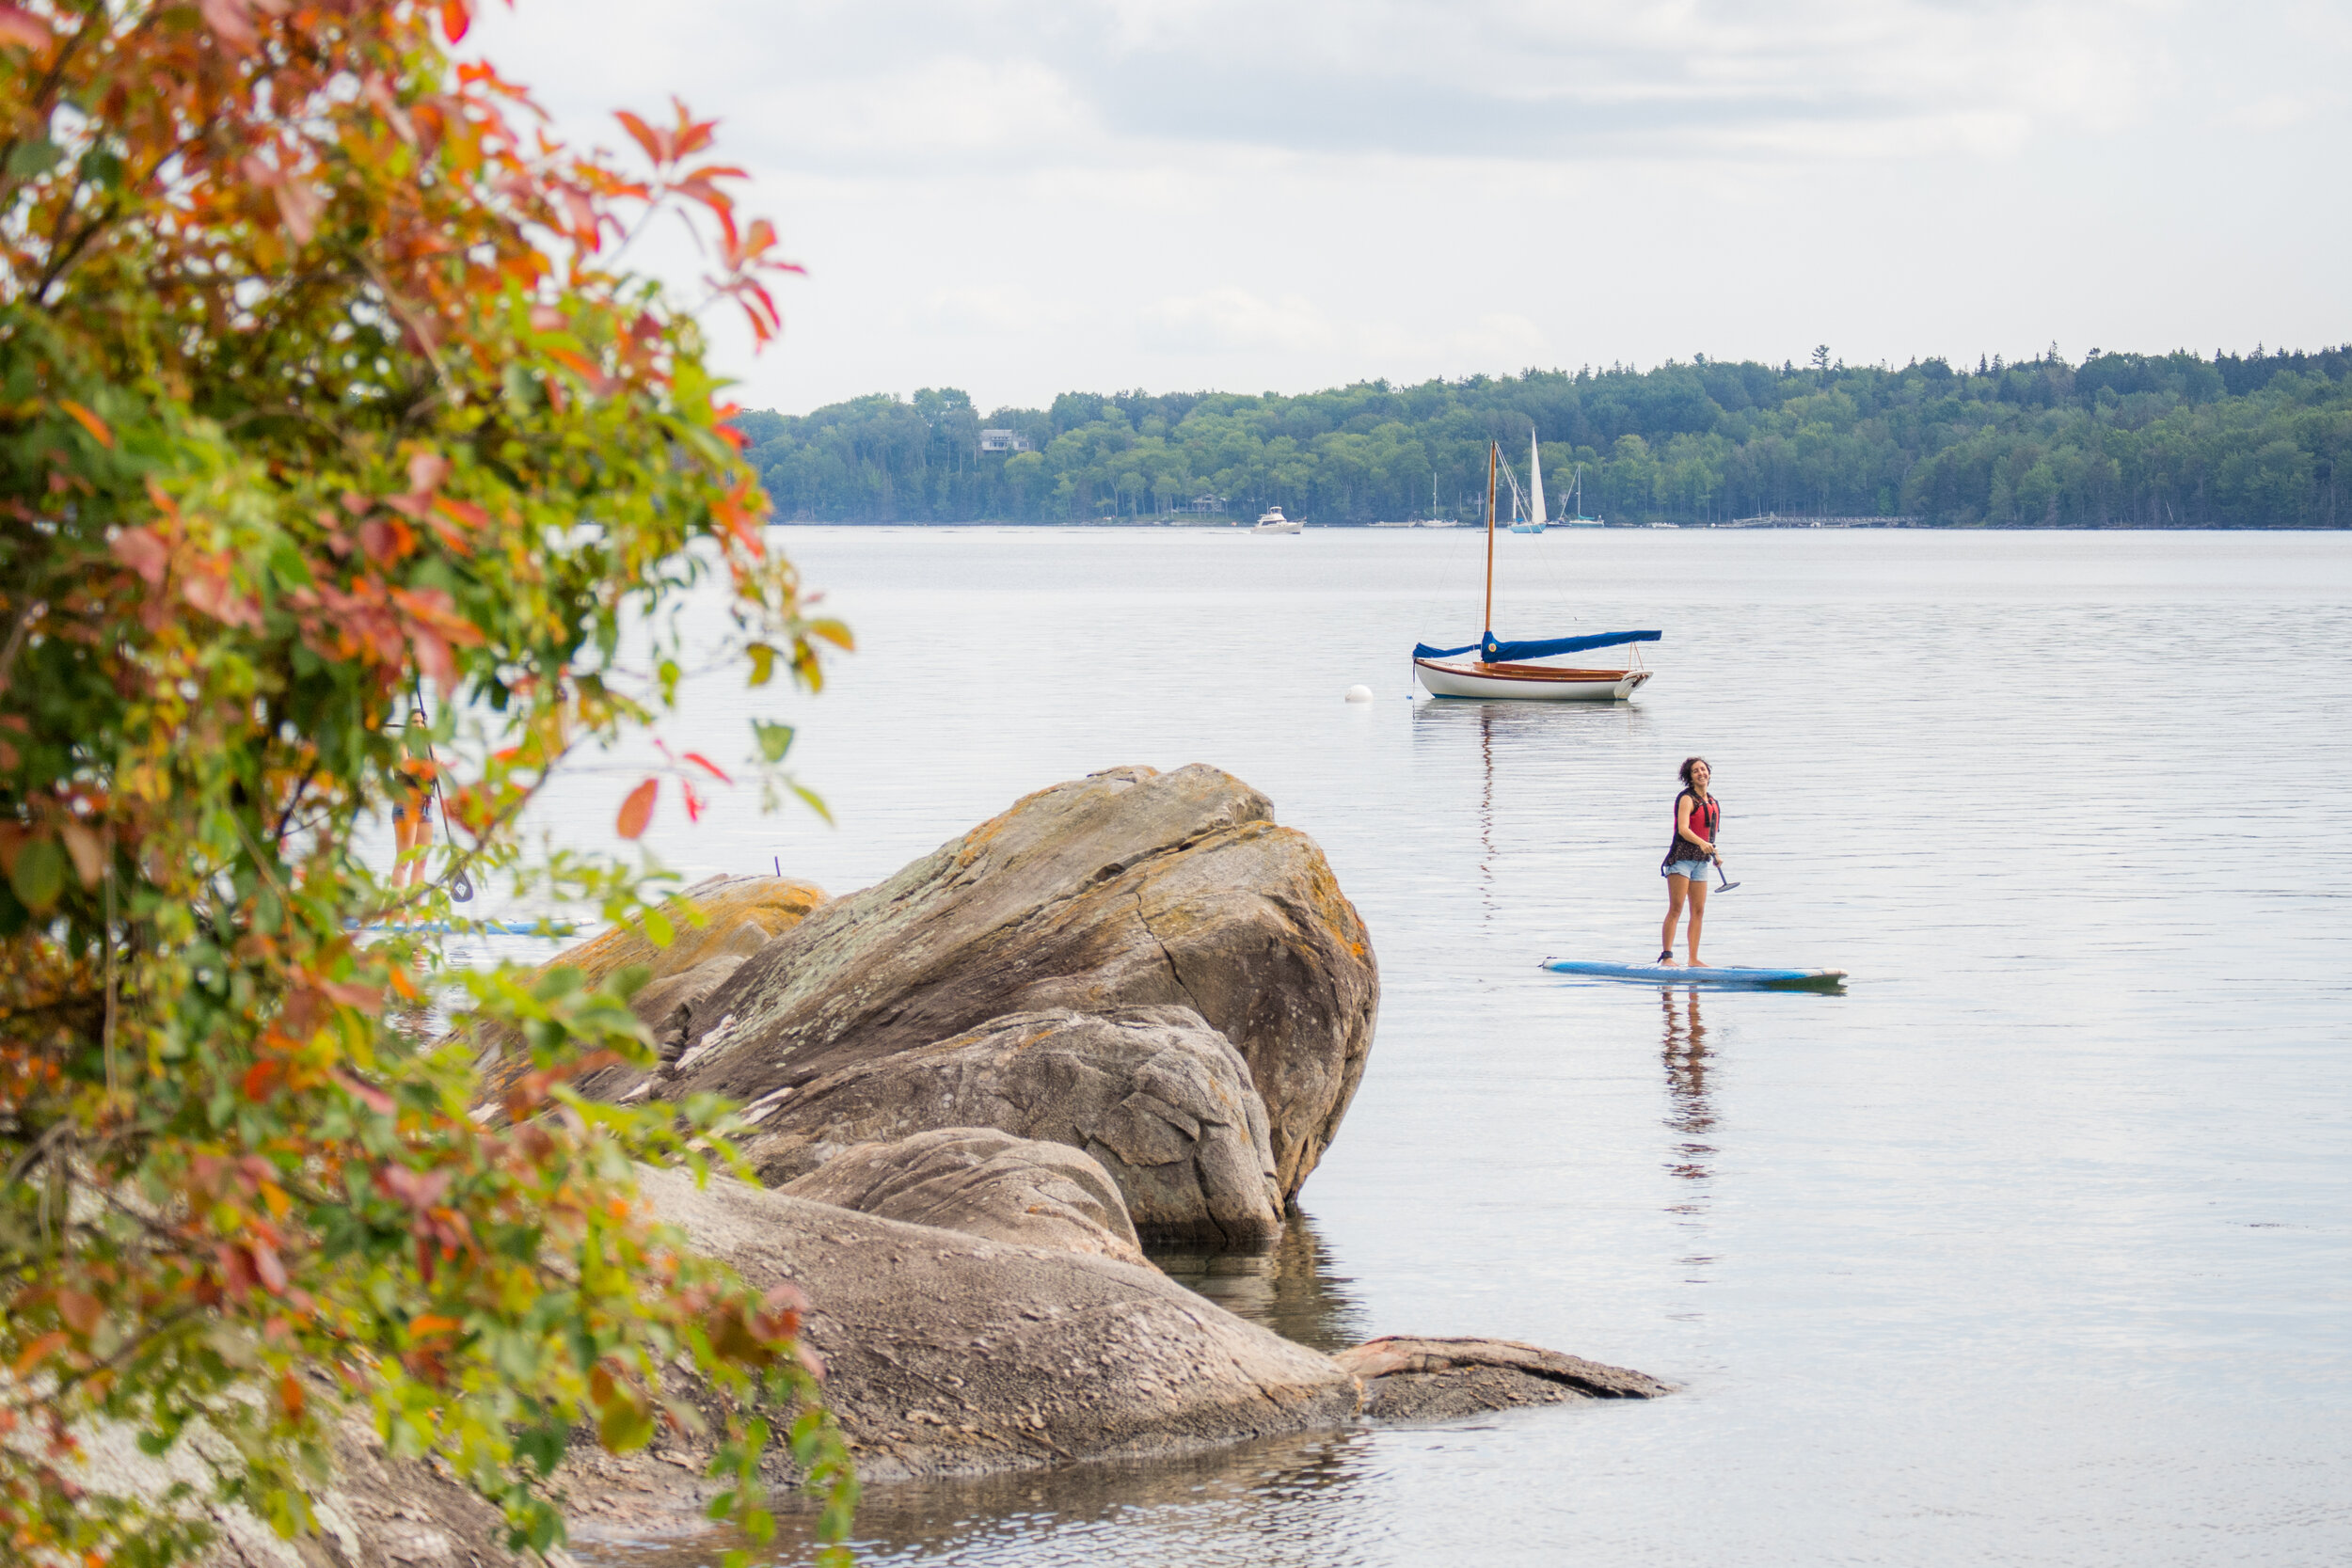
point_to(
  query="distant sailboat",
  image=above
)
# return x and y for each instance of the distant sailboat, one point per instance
(1534, 521)
(1575, 517)
(1500, 669)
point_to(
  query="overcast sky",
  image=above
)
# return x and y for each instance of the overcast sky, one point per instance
(1254, 195)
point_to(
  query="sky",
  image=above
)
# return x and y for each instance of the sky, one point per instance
(1283, 195)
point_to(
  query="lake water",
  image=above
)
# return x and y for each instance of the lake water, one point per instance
(2035, 1247)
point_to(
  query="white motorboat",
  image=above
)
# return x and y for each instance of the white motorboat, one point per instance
(1272, 521)
(1507, 670)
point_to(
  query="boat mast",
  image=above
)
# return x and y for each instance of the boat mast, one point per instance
(1493, 451)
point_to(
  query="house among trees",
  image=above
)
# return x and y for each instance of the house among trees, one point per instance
(1208, 503)
(1004, 441)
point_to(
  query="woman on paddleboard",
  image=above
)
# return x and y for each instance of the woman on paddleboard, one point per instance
(1698, 816)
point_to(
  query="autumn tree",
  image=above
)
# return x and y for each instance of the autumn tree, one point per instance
(328, 401)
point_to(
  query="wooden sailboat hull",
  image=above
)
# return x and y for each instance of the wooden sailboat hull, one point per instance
(1536, 682)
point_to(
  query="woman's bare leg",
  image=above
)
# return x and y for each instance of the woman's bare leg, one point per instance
(1677, 888)
(1698, 917)
(412, 832)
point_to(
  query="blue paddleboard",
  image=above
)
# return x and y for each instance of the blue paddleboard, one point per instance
(1746, 979)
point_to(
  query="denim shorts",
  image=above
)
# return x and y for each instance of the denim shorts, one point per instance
(1696, 870)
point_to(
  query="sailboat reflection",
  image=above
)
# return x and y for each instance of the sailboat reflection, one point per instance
(1524, 740)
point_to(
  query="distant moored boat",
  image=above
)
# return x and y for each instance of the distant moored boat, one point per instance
(1274, 522)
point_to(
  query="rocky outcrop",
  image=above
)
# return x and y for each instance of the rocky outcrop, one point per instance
(738, 915)
(982, 1183)
(1154, 1094)
(1130, 888)
(381, 1512)
(1418, 1380)
(947, 1353)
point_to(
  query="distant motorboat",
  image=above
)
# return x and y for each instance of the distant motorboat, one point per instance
(1407, 524)
(1665, 525)
(1272, 521)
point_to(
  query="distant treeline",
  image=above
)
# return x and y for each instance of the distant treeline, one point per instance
(2120, 440)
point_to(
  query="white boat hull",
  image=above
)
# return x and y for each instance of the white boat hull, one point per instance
(1528, 682)
(1278, 528)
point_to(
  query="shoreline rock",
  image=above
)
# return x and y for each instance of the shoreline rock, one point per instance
(1160, 1099)
(983, 1183)
(1128, 888)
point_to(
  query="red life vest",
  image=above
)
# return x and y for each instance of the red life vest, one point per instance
(1706, 816)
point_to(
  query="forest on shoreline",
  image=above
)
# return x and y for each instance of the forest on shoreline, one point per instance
(2120, 440)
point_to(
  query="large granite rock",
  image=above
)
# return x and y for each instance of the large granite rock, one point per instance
(1154, 1094)
(950, 1354)
(982, 1183)
(380, 1513)
(738, 915)
(1129, 888)
(1416, 1380)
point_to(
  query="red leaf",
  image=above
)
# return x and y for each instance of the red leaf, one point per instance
(23, 29)
(637, 809)
(143, 552)
(79, 1310)
(457, 17)
(232, 20)
(298, 209)
(289, 1395)
(367, 1094)
(270, 1271)
(89, 421)
(426, 470)
(708, 767)
(417, 1189)
(41, 1350)
(658, 144)
(694, 801)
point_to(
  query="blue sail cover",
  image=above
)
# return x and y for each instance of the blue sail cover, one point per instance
(1492, 650)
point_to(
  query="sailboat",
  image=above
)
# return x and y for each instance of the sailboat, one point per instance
(1501, 668)
(1574, 516)
(1534, 521)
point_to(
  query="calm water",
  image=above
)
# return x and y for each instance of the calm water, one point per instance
(2035, 1247)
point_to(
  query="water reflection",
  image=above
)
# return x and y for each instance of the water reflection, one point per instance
(1288, 1502)
(1289, 1288)
(1280, 1501)
(1691, 1115)
(1522, 735)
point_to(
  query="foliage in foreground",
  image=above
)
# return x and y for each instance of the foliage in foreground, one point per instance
(319, 386)
(2119, 441)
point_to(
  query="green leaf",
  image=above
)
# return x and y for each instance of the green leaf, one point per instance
(39, 874)
(774, 739)
(32, 158)
(815, 802)
(657, 929)
(763, 663)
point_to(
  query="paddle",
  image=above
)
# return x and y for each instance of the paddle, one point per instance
(1727, 884)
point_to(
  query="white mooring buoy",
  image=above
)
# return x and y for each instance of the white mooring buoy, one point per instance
(1360, 693)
